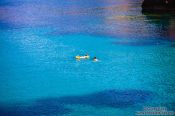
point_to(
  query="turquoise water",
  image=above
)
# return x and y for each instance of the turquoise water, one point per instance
(39, 75)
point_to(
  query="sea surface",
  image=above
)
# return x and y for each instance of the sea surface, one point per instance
(39, 75)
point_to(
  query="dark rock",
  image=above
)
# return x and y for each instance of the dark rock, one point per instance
(158, 6)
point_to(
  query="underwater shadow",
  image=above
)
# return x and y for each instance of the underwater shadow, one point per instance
(109, 98)
(34, 109)
(57, 106)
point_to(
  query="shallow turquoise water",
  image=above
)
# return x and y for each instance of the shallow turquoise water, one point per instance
(39, 75)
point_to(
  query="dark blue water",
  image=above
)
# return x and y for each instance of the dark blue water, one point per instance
(39, 75)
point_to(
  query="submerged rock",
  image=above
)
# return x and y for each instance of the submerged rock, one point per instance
(158, 6)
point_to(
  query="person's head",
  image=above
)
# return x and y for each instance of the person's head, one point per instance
(95, 57)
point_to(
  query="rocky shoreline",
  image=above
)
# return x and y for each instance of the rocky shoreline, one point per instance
(158, 6)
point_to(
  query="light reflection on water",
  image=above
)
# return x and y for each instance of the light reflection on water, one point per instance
(110, 18)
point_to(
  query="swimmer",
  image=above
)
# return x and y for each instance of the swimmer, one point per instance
(95, 59)
(86, 56)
